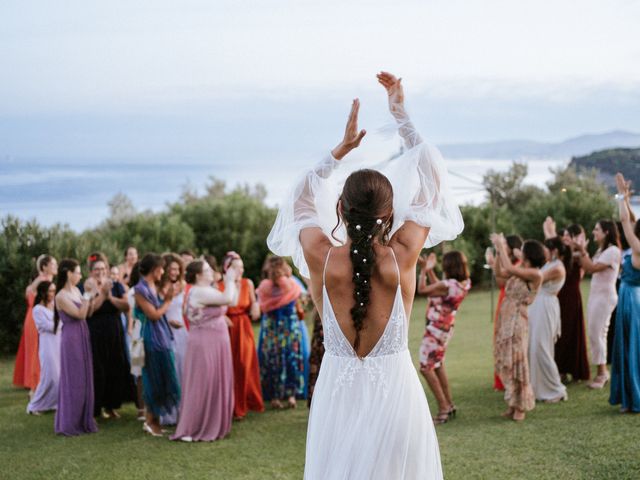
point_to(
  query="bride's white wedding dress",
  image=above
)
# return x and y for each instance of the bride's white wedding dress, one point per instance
(369, 416)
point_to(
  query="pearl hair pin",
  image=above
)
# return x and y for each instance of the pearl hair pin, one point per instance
(379, 222)
(358, 227)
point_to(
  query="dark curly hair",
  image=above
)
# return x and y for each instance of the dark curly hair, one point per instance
(366, 208)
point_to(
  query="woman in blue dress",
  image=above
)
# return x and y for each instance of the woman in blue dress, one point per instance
(625, 368)
(161, 390)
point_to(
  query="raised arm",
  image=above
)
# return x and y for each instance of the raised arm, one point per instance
(428, 211)
(627, 218)
(435, 288)
(531, 275)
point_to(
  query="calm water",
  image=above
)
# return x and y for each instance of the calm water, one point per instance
(77, 192)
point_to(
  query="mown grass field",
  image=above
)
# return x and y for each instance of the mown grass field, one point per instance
(582, 438)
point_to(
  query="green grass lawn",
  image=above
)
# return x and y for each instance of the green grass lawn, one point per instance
(582, 438)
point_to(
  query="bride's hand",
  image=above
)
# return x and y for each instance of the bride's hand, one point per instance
(394, 89)
(352, 137)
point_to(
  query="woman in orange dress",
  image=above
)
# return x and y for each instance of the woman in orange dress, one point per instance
(26, 372)
(246, 370)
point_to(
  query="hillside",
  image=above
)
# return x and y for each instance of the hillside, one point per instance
(609, 162)
(513, 149)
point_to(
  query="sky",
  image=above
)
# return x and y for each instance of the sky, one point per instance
(244, 82)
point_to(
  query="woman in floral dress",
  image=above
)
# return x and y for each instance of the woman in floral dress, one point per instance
(512, 330)
(445, 297)
(280, 344)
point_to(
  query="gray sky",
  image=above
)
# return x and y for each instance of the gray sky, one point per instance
(236, 89)
(140, 78)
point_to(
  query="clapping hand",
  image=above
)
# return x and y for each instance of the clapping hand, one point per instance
(623, 185)
(394, 89)
(352, 137)
(432, 261)
(549, 227)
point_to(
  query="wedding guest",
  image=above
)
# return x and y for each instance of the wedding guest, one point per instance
(206, 409)
(187, 256)
(625, 252)
(246, 369)
(625, 368)
(445, 298)
(602, 296)
(26, 372)
(544, 324)
(161, 390)
(279, 345)
(111, 370)
(125, 268)
(512, 330)
(46, 394)
(75, 395)
(173, 278)
(514, 246)
(136, 343)
(571, 347)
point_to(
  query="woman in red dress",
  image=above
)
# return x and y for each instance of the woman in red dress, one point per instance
(246, 370)
(26, 372)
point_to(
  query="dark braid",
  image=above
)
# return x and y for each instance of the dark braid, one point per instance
(367, 206)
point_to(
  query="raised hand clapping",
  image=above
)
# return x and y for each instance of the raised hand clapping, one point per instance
(394, 89)
(352, 137)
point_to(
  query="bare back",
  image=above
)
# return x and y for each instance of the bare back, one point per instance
(384, 286)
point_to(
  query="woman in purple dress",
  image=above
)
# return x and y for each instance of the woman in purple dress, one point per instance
(206, 409)
(75, 398)
(46, 394)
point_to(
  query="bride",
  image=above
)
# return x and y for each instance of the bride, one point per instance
(357, 234)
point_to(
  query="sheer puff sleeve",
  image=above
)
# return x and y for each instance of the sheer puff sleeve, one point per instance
(421, 190)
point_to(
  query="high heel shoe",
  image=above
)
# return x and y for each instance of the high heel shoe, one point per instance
(599, 382)
(442, 417)
(452, 411)
(147, 429)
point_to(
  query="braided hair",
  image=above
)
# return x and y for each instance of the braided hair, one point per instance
(366, 207)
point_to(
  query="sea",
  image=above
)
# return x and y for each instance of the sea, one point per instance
(76, 191)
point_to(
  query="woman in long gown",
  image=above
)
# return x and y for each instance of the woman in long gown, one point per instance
(445, 297)
(206, 408)
(369, 415)
(46, 394)
(246, 369)
(512, 332)
(545, 326)
(26, 372)
(74, 415)
(111, 369)
(571, 347)
(625, 367)
(280, 343)
(514, 246)
(161, 390)
(603, 297)
(174, 279)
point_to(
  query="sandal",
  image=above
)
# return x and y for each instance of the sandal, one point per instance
(276, 405)
(452, 411)
(291, 402)
(599, 382)
(442, 417)
(518, 416)
(147, 429)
